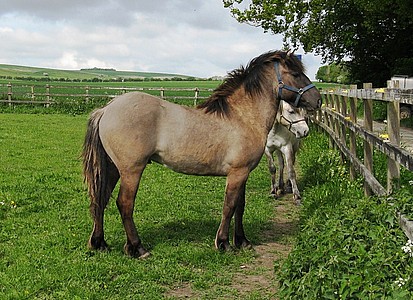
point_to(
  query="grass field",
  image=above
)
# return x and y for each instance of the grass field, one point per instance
(45, 223)
(348, 245)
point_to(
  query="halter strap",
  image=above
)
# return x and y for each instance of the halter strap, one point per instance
(282, 86)
(289, 122)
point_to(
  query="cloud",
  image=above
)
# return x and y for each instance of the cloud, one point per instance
(195, 37)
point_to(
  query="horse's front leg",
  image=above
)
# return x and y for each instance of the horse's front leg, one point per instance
(280, 185)
(126, 200)
(234, 202)
(271, 168)
(240, 241)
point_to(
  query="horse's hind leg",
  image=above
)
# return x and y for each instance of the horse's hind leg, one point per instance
(290, 159)
(97, 239)
(129, 184)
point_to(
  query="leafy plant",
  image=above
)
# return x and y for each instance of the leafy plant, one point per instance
(349, 246)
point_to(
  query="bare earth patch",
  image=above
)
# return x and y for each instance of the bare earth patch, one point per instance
(258, 276)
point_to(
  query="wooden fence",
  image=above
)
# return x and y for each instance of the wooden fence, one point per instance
(339, 118)
(49, 94)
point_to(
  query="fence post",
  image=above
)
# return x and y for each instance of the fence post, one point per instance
(196, 96)
(353, 118)
(343, 130)
(393, 130)
(87, 93)
(9, 93)
(368, 148)
(47, 95)
(162, 90)
(32, 90)
(329, 118)
(335, 103)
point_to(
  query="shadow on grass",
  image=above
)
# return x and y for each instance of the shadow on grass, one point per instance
(184, 231)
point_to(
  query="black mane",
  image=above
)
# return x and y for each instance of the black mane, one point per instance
(250, 77)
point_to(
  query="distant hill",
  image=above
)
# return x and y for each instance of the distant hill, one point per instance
(15, 71)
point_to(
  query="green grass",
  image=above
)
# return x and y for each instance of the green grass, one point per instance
(349, 245)
(45, 223)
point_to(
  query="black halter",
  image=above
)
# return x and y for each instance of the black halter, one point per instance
(282, 86)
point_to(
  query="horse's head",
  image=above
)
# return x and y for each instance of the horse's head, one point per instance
(293, 86)
(293, 118)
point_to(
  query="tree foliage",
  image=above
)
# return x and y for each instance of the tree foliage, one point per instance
(333, 73)
(373, 37)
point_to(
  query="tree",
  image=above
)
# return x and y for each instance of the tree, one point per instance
(373, 37)
(333, 73)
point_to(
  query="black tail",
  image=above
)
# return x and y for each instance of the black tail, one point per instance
(95, 165)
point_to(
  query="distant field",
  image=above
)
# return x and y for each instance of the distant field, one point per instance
(207, 84)
(41, 73)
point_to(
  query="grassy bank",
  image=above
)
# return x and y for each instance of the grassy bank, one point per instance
(349, 246)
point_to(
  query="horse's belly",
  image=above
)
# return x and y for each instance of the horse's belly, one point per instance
(191, 165)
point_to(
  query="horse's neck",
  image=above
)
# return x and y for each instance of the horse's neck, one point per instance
(257, 111)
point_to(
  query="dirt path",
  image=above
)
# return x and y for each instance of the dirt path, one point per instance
(258, 276)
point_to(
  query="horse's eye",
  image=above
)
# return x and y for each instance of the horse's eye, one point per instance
(295, 74)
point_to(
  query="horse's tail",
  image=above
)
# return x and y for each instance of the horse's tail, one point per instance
(95, 165)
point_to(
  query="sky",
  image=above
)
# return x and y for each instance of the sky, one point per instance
(189, 37)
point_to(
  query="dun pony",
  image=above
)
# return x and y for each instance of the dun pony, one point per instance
(225, 136)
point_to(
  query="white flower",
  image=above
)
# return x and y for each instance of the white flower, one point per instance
(408, 248)
(400, 282)
(411, 182)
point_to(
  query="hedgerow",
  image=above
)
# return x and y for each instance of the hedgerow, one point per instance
(349, 246)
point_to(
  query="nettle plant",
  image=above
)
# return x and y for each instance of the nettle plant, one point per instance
(349, 246)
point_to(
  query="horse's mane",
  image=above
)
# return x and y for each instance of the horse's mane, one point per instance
(250, 77)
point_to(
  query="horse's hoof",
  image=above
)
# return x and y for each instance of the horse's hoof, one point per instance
(146, 255)
(243, 244)
(97, 244)
(222, 245)
(136, 251)
(297, 200)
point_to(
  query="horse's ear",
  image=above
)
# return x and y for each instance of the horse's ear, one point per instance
(290, 52)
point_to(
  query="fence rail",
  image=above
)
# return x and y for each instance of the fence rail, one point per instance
(49, 94)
